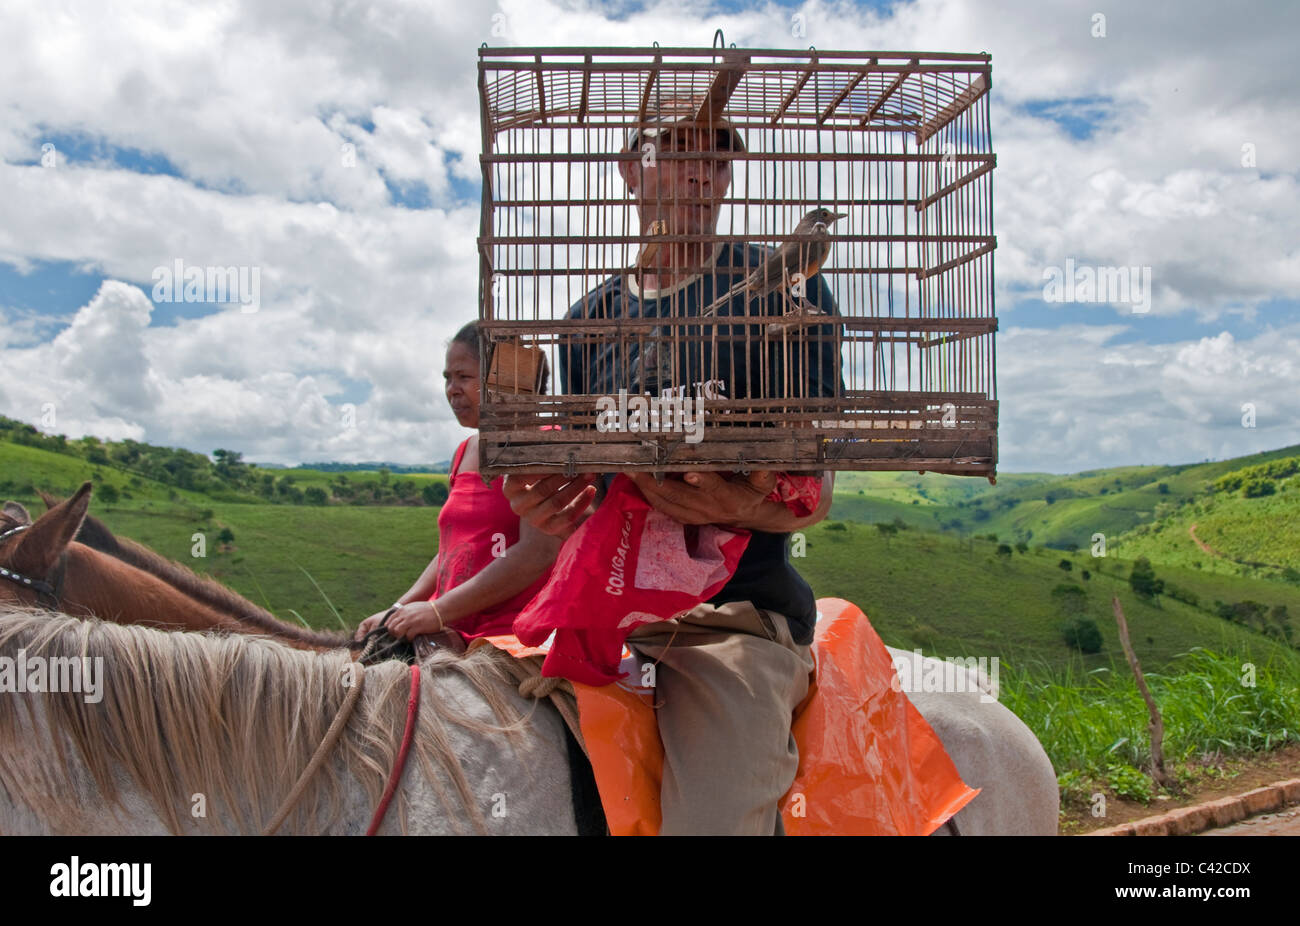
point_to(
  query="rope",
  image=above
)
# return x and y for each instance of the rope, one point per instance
(412, 715)
(532, 684)
(331, 737)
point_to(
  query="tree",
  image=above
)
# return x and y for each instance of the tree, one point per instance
(886, 530)
(434, 493)
(107, 494)
(1065, 564)
(1022, 548)
(1143, 579)
(226, 536)
(230, 467)
(315, 495)
(1004, 549)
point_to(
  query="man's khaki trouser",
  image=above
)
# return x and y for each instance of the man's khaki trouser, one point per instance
(727, 682)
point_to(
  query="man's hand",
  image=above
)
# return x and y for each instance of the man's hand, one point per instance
(554, 505)
(708, 498)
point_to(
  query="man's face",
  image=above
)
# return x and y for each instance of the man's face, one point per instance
(665, 190)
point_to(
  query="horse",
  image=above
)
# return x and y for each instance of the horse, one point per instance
(132, 584)
(991, 747)
(189, 734)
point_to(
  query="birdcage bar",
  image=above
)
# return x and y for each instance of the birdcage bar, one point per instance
(897, 140)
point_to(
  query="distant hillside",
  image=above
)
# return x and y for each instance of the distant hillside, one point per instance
(1249, 525)
(32, 460)
(1062, 512)
(443, 467)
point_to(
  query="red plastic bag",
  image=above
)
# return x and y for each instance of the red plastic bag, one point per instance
(801, 494)
(627, 565)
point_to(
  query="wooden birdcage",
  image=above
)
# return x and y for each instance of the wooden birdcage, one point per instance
(897, 374)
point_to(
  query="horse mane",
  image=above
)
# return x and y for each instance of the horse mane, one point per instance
(232, 717)
(95, 534)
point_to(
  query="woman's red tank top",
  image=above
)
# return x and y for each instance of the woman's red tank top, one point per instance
(475, 523)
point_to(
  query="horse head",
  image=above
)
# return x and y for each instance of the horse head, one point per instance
(33, 554)
(124, 581)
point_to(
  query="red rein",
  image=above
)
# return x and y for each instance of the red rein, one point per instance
(412, 714)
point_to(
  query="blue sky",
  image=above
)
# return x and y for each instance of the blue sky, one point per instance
(219, 137)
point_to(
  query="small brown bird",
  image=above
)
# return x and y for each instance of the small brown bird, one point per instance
(788, 260)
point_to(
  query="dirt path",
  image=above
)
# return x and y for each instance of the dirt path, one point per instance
(1205, 547)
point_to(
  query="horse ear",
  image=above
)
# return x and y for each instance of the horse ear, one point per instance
(50, 500)
(16, 513)
(44, 542)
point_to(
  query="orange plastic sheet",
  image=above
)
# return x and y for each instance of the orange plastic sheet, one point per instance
(869, 764)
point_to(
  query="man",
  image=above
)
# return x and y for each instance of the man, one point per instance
(730, 672)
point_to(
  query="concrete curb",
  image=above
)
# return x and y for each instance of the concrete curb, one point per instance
(1187, 821)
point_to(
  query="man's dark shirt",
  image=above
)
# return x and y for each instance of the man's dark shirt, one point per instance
(764, 574)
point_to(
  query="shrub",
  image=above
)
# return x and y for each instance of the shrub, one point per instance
(434, 493)
(1185, 595)
(1083, 634)
(1065, 564)
(1004, 549)
(838, 526)
(1129, 783)
(1143, 579)
(108, 494)
(315, 495)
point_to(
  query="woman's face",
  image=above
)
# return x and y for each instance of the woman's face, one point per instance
(461, 374)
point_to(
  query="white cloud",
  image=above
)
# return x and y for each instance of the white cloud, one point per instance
(1071, 401)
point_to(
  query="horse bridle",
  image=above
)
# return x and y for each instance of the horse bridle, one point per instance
(42, 587)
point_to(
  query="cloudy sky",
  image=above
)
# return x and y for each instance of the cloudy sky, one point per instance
(1165, 135)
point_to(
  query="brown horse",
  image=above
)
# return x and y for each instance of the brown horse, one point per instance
(119, 580)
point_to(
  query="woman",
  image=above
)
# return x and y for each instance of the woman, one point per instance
(489, 563)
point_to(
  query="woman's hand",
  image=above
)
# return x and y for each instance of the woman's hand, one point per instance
(369, 624)
(413, 619)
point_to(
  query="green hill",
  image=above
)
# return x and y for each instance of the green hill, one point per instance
(1229, 531)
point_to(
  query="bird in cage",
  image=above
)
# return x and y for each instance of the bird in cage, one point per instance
(791, 260)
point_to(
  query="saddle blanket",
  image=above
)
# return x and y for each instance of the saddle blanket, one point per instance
(869, 764)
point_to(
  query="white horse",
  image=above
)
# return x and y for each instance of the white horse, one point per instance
(201, 733)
